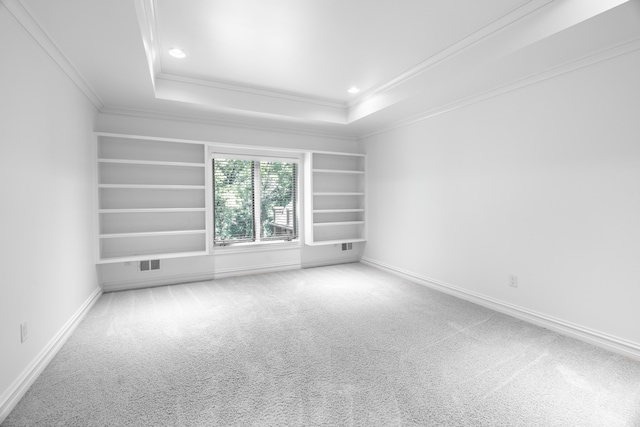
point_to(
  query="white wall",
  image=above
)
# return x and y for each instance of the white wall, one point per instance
(46, 242)
(543, 183)
(127, 275)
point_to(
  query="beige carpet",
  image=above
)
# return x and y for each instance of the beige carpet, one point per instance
(333, 346)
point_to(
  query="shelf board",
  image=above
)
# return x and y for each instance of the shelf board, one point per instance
(337, 153)
(334, 242)
(339, 193)
(153, 187)
(321, 211)
(339, 171)
(330, 224)
(143, 257)
(150, 163)
(151, 234)
(146, 210)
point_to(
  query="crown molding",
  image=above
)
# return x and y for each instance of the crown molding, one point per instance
(243, 124)
(145, 11)
(508, 18)
(253, 90)
(565, 68)
(147, 20)
(31, 26)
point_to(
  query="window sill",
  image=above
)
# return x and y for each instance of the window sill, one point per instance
(251, 247)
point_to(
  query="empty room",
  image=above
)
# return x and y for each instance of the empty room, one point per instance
(320, 212)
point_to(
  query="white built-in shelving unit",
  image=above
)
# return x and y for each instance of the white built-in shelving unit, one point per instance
(334, 198)
(150, 198)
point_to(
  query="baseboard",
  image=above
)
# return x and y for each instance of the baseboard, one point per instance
(245, 271)
(127, 285)
(10, 398)
(330, 261)
(608, 342)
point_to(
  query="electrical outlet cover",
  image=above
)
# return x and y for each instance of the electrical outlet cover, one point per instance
(23, 332)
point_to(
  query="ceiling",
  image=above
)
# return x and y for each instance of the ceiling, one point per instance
(289, 63)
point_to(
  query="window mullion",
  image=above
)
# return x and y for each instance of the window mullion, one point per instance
(257, 214)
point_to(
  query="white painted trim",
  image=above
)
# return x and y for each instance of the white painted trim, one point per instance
(31, 26)
(600, 339)
(249, 248)
(568, 67)
(10, 398)
(245, 271)
(330, 261)
(254, 90)
(126, 285)
(246, 123)
(510, 17)
(146, 21)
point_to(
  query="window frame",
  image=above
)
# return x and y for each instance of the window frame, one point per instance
(259, 155)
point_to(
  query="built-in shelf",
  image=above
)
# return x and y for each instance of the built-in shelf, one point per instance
(138, 210)
(340, 193)
(151, 234)
(151, 198)
(320, 211)
(133, 258)
(337, 223)
(153, 186)
(334, 198)
(357, 172)
(335, 242)
(151, 163)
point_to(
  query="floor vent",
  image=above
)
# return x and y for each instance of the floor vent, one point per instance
(153, 264)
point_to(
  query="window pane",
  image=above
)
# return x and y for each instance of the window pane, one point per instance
(233, 200)
(278, 200)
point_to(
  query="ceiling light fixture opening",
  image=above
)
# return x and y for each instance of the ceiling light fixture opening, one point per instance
(176, 52)
(354, 90)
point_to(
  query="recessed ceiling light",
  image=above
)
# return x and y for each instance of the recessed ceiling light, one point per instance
(354, 90)
(176, 52)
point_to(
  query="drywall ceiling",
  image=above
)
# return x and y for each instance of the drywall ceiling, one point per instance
(290, 63)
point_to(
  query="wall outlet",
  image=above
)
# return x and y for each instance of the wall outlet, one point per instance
(513, 280)
(23, 332)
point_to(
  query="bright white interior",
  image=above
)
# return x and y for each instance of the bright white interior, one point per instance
(502, 139)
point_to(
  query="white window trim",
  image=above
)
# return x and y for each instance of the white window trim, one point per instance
(251, 247)
(260, 154)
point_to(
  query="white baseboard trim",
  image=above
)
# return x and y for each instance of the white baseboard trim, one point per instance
(10, 398)
(330, 261)
(127, 285)
(245, 271)
(600, 339)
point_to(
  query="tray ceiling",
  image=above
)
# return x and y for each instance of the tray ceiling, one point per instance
(291, 62)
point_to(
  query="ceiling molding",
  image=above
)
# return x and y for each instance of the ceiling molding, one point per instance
(568, 67)
(145, 11)
(253, 90)
(147, 20)
(243, 124)
(506, 19)
(502, 23)
(31, 26)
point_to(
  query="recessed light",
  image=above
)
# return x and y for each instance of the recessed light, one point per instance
(176, 52)
(354, 90)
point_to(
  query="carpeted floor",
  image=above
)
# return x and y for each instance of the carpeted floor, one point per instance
(344, 345)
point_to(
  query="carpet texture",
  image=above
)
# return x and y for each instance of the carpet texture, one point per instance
(343, 345)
